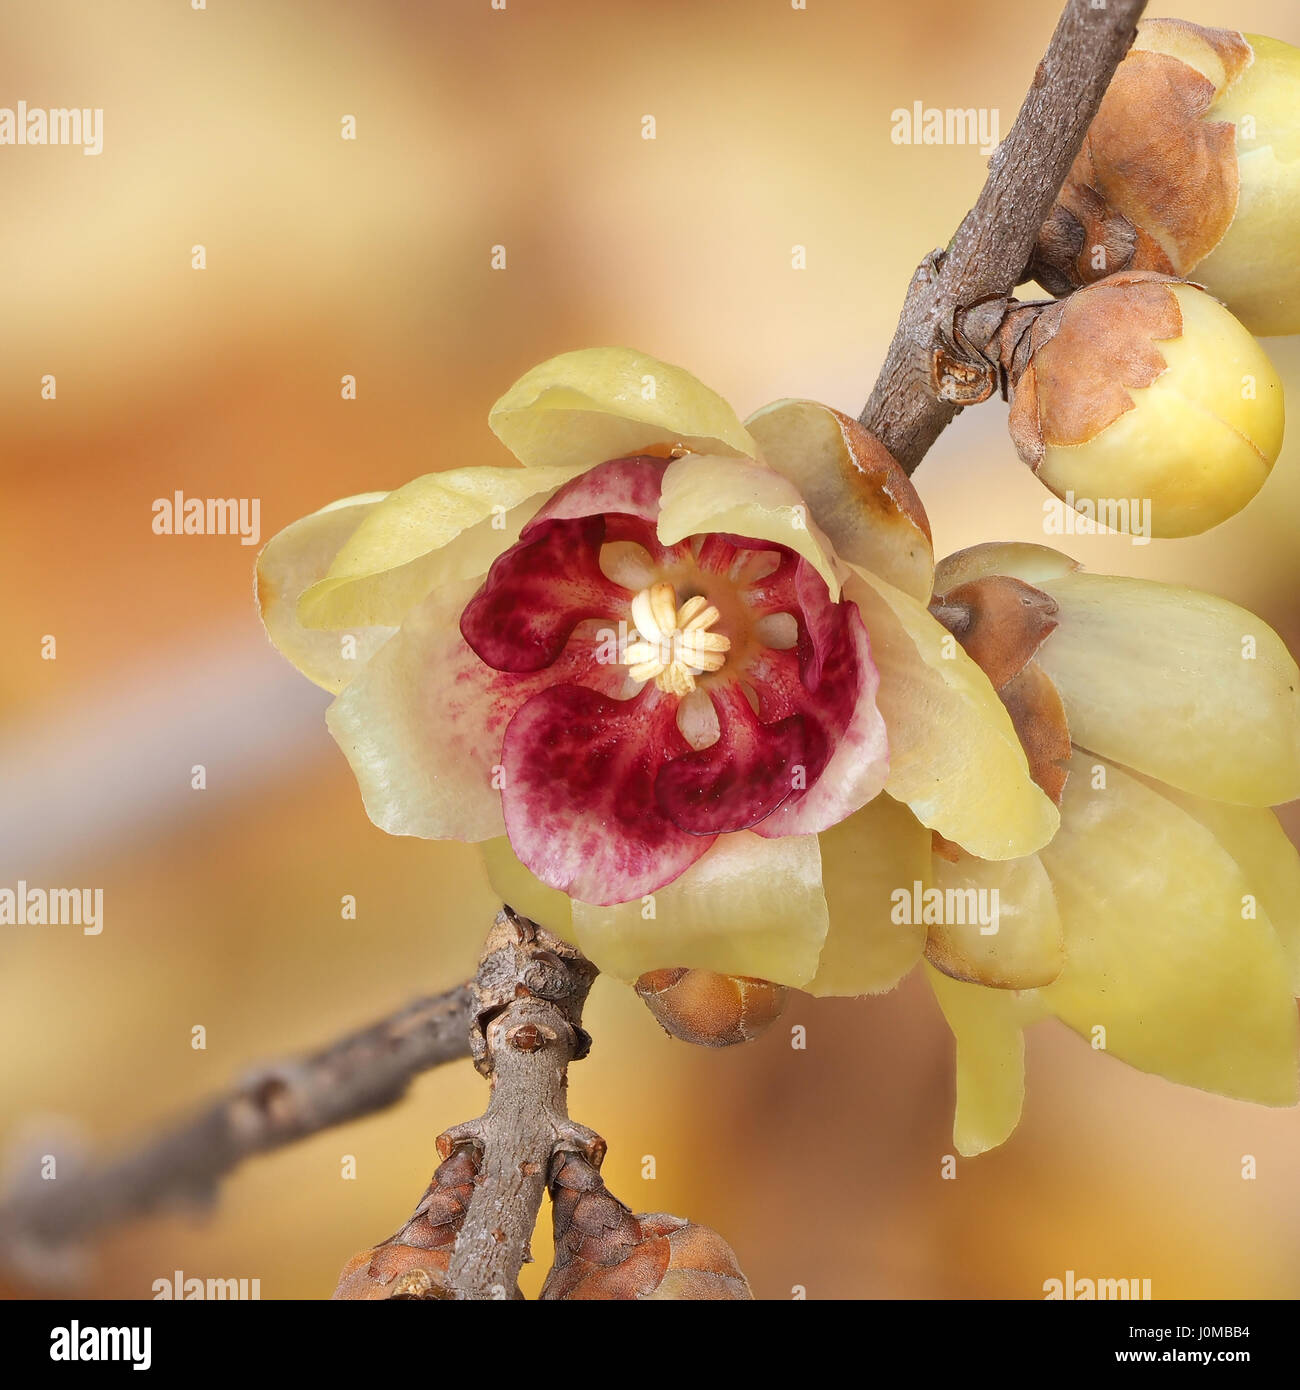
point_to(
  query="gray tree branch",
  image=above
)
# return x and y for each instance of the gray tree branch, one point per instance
(940, 359)
(529, 995)
(273, 1106)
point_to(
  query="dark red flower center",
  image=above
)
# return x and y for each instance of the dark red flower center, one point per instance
(698, 687)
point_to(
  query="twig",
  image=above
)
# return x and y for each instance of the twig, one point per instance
(273, 1106)
(529, 994)
(938, 361)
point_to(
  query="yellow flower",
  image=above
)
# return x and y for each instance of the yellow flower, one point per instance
(1162, 922)
(660, 672)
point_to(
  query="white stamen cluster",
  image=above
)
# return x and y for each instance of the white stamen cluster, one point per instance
(675, 644)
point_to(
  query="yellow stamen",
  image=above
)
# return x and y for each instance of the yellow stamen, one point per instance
(675, 643)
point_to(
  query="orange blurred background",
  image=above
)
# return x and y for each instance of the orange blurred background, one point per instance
(476, 128)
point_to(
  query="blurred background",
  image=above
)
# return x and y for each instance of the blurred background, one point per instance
(477, 128)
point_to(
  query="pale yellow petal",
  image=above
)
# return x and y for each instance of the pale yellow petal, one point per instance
(436, 530)
(954, 757)
(857, 492)
(1020, 559)
(519, 888)
(750, 906)
(602, 403)
(865, 859)
(422, 727)
(988, 1027)
(704, 492)
(1159, 951)
(1000, 924)
(291, 562)
(1182, 685)
(1267, 858)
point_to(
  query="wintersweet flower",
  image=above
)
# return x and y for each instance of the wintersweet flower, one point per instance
(1162, 922)
(671, 673)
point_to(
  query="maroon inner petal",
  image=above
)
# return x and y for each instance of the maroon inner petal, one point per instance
(848, 678)
(579, 793)
(822, 623)
(777, 592)
(780, 681)
(551, 578)
(536, 594)
(628, 487)
(739, 779)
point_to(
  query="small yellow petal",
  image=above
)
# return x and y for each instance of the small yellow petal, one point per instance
(1266, 857)
(602, 403)
(436, 530)
(954, 757)
(415, 728)
(858, 493)
(750, 906)
(865, 859)
(1009, 935)
(1181, 685)
(1019, 559)
(703, 493)
(293, 561)
(1161, 952)
(988, 1026)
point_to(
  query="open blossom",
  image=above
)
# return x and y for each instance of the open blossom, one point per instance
(1162, 922)
(673, 673)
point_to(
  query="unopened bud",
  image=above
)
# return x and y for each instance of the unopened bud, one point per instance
(1190, 165)
(699, 1006)
(413, 1263)
(1143, 404)
(603, 1252)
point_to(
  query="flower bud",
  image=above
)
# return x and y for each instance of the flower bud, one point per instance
(1142, 403)
(1190, 165)
(395, 1271)
(413, 1263)
(699, 1006)
(604, 1252)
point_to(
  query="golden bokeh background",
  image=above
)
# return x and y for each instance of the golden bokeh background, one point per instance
(478, 127)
